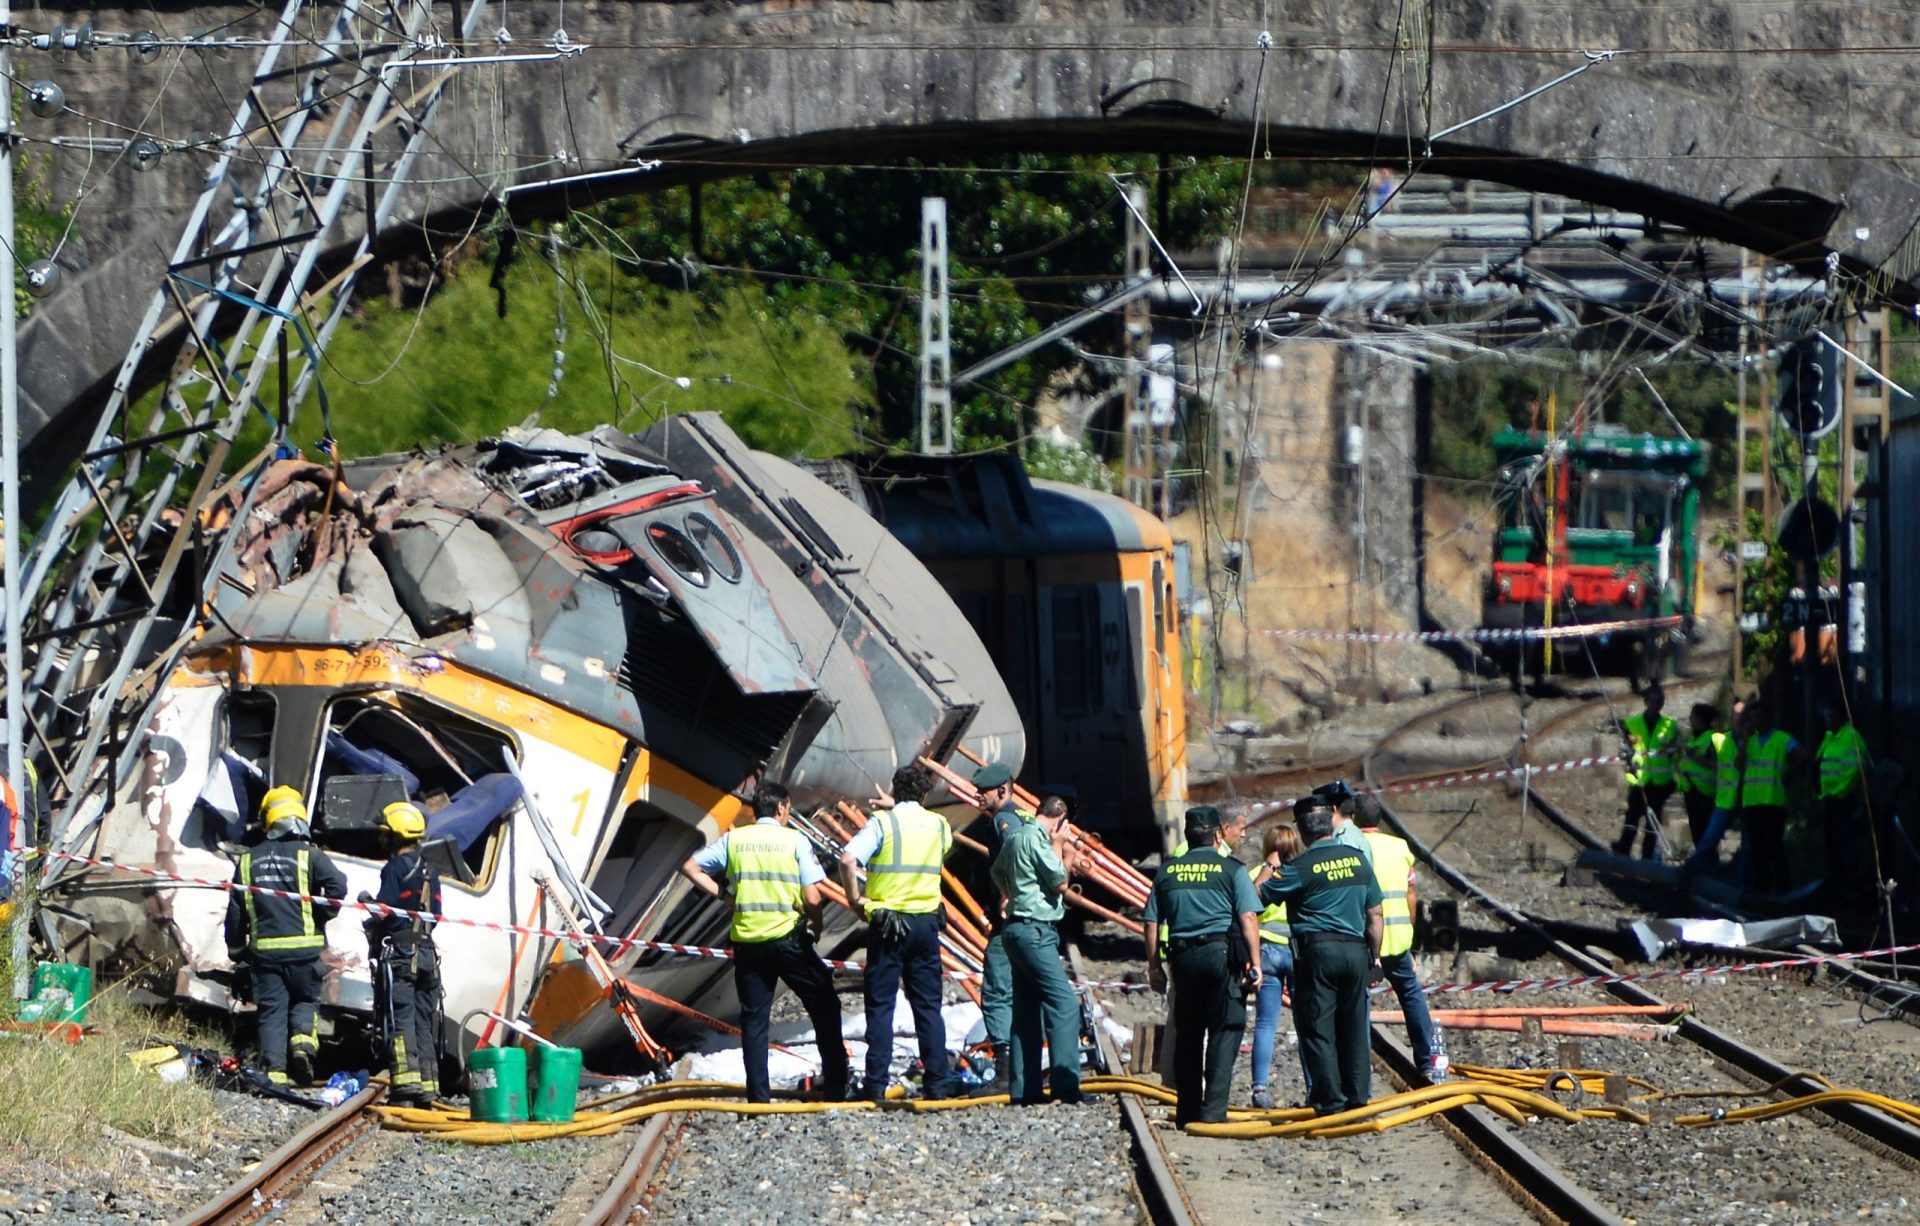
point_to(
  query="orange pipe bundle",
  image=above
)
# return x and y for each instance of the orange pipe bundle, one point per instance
(1462, 1019)
(1563, 1011)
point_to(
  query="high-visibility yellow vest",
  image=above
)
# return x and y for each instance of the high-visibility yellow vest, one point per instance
(904, 874)
(763, 863)
(1393, 868)
(1653, 750)
(1711, 767)
(309, 936)
(1763, 783)
(1843, 759)
(1273, 920)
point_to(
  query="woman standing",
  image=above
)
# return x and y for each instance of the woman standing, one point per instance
(1281, 844)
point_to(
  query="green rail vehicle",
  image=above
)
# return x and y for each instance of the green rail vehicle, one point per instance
(1597, 527)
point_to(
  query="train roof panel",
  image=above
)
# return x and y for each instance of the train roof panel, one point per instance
(961, 507)
(1611, 448)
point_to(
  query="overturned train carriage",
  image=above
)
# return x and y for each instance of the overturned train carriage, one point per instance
(576, 654)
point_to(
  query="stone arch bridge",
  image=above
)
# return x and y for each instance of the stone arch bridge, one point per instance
(1783, 125)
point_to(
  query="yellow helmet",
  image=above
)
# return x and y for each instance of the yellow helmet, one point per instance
(282, 804)
(405, 820)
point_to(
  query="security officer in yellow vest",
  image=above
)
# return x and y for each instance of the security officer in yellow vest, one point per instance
(1204, 901)
(1709, 773)
(1393, 864)
(902, 849)
(407, 968)
(1842, 761)
(1652, 753)
(279, 940)
(1767, 758)
(1334, 906)
(775, 881)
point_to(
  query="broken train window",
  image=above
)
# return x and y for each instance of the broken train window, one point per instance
(388, 746)
(237, 776)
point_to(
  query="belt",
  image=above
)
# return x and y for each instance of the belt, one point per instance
(1310, 939)
(1180, 945)
(1027, 919)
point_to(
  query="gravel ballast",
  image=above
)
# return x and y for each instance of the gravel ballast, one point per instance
(981, 1166)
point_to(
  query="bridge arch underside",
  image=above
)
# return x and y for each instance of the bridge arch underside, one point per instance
(1755, 149)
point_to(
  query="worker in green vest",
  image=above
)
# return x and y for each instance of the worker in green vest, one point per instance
(1709, 771)
(1768, 756)
(1652, 750)
(275, 939)
(1843, 763)
(902, 849)
(774, 880)
(1393, 863)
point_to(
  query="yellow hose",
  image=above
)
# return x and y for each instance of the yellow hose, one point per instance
(1515, 1094)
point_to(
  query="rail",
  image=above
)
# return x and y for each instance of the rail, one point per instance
(629, 1190)
(259, 1193)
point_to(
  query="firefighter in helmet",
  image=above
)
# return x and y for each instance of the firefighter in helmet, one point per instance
(406, 976)
(286, 892)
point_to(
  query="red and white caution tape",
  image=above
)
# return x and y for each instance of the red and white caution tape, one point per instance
(1464, 779)
(712, 951)
(1573, 630)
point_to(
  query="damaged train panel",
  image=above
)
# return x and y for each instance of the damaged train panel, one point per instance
(574, 653)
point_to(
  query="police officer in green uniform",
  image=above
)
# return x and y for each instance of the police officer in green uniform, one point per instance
(999, 818)
(1204, 900)
(1333, 902)
(1031, 871)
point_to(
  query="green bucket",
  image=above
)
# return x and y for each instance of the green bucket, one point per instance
(76, 981)
(557, 1072)
(497, 1084)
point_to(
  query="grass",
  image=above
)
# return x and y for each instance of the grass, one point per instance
(57, 1100)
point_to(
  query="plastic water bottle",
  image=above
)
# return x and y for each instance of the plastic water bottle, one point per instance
(340, 1087)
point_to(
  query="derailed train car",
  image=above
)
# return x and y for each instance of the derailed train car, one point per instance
(576, 653)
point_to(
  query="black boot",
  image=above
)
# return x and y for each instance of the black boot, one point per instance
(1002, 1082)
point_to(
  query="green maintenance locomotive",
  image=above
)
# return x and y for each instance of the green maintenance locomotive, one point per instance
(1597, 527)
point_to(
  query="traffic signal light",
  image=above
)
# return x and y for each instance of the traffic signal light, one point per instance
(1809, 401)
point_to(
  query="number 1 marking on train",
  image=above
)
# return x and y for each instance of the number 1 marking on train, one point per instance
(580, 811)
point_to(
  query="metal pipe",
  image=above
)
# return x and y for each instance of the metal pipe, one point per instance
(10, 492)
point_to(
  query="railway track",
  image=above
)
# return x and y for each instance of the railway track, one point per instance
(263, 1191)
(1881, 1134)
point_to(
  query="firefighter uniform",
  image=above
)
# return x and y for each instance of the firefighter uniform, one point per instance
(1763, 809)
(279, 939)
(769, 868)
(1198, 900)
(407, 976)
(1328, 891)
(1393, 864)
(1652, 739)
(902, 850)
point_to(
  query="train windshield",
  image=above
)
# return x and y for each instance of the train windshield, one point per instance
(1630, 502)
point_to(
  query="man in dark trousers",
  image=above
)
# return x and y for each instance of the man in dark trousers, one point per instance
(406, 979)
(999, 818)
(902, 849)
(279, 938)
(1333, 902)
(775, 880)
(1204, 900)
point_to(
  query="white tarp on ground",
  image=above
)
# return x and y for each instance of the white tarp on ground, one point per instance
(1660, 936)
(720, 1058)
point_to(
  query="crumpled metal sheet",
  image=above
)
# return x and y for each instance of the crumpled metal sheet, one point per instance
(1662, 936)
